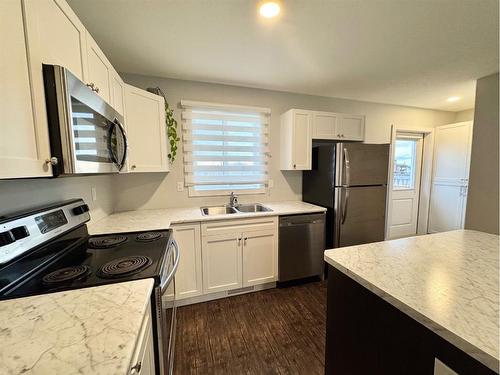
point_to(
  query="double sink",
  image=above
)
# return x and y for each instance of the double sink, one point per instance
(238, 209)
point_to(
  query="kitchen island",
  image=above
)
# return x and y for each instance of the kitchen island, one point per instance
(408, 305)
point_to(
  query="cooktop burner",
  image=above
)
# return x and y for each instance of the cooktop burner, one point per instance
(66, 274)
(124, 266)
(106, 242)
(148, 237)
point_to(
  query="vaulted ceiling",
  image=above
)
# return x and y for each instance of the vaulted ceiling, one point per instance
(407, 52)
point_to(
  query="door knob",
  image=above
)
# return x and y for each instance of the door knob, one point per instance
(52, 161)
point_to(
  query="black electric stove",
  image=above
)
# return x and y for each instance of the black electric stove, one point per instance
(73, 259)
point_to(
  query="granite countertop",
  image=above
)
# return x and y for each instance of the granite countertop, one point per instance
(448, 281)
(145, 220)
(82, 331)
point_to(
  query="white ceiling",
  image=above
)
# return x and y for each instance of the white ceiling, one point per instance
(407, 52)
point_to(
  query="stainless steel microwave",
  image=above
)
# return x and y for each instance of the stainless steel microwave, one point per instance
(86, 133)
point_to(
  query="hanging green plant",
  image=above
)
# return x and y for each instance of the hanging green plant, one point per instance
(171, 123)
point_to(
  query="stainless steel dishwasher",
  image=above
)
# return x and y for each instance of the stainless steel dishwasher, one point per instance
(301, 246)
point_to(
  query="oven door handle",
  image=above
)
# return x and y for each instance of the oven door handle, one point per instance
(170, 276)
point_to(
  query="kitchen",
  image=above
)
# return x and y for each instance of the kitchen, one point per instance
(258, 257)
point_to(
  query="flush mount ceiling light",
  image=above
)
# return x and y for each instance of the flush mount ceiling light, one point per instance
(453, 99)
(269, 9)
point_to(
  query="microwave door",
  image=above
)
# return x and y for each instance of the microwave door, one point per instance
(117, 145)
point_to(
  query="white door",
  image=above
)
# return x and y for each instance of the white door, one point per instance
(405, 185)
(221, 262)
(188, 276)
(450, 178)
(24, 142)
(259, 257)
(146, 131)
(301, 140)
(117, 88)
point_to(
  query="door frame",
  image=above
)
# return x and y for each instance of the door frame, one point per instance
(425, 175)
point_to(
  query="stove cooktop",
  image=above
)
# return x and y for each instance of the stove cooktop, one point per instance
(78, 261)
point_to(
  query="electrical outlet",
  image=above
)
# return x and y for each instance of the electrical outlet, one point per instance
(94, 193)
(180, 186)
(270, 184)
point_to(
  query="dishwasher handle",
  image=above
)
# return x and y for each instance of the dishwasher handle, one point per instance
(296, 220)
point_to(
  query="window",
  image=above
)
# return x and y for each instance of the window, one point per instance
(405, 162)
(226, 148)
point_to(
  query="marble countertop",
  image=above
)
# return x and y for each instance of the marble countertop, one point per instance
(83, 331)
(448, 281)
(146, 220)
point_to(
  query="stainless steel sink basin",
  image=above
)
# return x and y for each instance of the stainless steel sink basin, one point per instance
(254, 207)
(218, 210)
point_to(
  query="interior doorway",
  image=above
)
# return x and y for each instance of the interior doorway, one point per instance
(405, 184)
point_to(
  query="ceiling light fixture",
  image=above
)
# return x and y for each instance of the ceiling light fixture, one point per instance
(270, 9)
(453, 99)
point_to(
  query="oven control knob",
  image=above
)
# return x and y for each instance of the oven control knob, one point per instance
(6, 238)
(20, 232)
(80, 209)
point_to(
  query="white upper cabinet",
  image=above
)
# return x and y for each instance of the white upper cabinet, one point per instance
(296, 140)
(55, 36)
(24, 144)
(146, 131)
(325, 125)
(351, 127)
(98, 70)
(299, 127)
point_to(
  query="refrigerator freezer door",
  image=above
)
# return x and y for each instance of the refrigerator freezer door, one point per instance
(359, 215)
(361, 164)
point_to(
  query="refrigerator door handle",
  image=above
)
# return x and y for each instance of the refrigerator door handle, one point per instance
(347, 169)
(345, 205)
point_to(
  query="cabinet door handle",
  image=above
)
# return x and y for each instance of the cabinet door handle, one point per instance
(136, 368)
(96, 89)
(294, 166)
(239, 241)
(245, 240)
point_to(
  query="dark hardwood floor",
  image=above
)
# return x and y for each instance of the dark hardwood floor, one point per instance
(277, 331)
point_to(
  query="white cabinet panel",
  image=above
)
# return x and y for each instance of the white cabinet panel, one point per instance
(351, 127)
(296, 140)
(259, 257)
(146, 131)
(24, 143)
(188, 277)
(143, 361)
(222, 265)
(117, 87)
(99, 69)
(56, 36)
(324, 125)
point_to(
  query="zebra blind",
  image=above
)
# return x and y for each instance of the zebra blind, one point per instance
(226, 148)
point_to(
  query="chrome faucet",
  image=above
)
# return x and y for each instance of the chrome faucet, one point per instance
(233, 199)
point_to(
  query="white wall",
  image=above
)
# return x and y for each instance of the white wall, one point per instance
(137, 191)
(466, 115)
(482, 198)
(20, 194)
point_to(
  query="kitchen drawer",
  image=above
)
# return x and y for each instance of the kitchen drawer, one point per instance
(215, 228)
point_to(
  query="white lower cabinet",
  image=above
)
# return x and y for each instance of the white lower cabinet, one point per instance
(143, 359)
(239, 253)
(222, 262)
(188, 277)
(259, 257)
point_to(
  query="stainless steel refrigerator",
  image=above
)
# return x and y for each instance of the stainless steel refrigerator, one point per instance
(350, 180)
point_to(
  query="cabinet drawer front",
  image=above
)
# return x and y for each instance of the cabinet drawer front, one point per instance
(216, 228)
